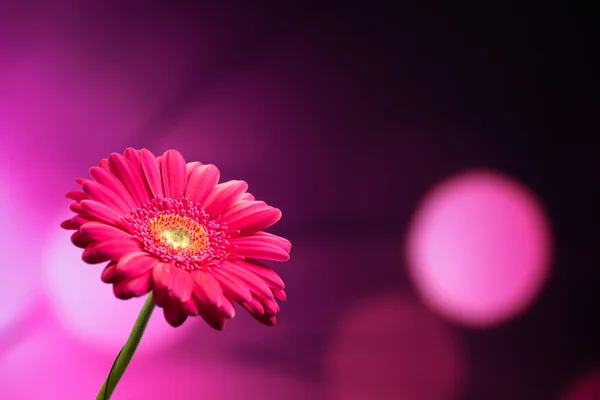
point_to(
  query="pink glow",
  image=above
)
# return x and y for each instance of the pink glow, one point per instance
(479, 248)
(19, 265)
(87, 308)
(391, 348)
(586, 387)
(48, 366)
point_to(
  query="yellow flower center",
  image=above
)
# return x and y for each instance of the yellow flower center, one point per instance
(180, 233)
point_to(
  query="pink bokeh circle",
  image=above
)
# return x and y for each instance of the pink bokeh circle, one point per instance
(87, 308)
(479, 248)
(587, 387)
(389, 348)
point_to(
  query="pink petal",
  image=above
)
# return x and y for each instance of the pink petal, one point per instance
(104, 213)
(163, 277)
(232, 286)
(254, 219)
(247, 196)
(174, 314)
(133, 156)
(241, 208)
(254, 306)
(136, 263)
(174, 174)
(224, 195)
(182, 285)
(152, 172)
(109, 274)
(190, 306)
(102, 194)
(271, 307)
(202, 182)
(69, 224)
(280, 294)
(90, 256)
(79, 181)
(125, 172)
(139, 285)
(227, 309)
(215, 321)
(76, 195)
(190, 167)
(274, 240)
(96, 230)
(256, 284)
(107, 179)
(103, 163)
(80, 240)
(115, 249)
(207, 288)
(265, 319)
(264, 272)
(253, 247)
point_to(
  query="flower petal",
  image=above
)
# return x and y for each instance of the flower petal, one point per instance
(136, 263)
(214, 320)
(224, 195)
(102, 194)
(111, 182)
(109, 275)
(76, 195)
(133, 156)
(264, 272)
(232, 286)
(202, 182)
(80, 240)
(254, 218)
(190, 167)
(104, 213)
(90, 256)
(207, 288)
(182, 285)
(96, 230)
(115, 249)
(256, 247)
(274, 240)
(255, 283)
(140, 285)
(280, 294)
(254, 306)
(174, 314)
(247, 196)
(152, 172)
(124, 171)
(174, 174)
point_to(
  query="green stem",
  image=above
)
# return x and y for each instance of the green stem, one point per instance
(124, 357)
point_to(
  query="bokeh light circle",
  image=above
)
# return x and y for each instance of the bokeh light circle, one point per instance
(586, 387)
(478, 248)
(87, 308)
(390, 347)
(20, 259)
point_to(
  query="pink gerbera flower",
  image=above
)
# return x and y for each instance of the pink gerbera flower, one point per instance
(169, 227)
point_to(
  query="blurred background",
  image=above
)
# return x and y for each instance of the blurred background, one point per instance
(435, 167)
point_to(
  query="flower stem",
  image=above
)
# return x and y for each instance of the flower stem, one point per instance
(126, 353)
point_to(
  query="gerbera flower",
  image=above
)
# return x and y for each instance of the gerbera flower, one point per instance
(169, 227)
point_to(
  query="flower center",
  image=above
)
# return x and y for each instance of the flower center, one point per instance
(176, 237)
(178, 231)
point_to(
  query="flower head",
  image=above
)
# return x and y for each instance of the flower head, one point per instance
(169, 227)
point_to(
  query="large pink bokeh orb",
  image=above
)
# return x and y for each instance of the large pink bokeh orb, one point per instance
(19, 258)
(478, 248)
(585, 388)
(391, 347)
(87, 308)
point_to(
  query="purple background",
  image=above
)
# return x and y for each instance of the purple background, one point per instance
(341, 116)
